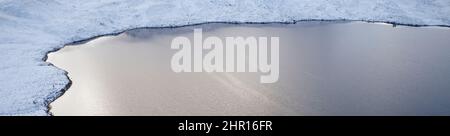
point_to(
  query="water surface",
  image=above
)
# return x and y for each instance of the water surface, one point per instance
(325, 69)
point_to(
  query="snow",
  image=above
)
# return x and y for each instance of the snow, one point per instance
(32, 28)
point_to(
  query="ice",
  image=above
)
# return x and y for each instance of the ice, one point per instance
(32, 28)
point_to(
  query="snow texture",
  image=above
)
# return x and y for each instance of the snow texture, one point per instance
(29, 29)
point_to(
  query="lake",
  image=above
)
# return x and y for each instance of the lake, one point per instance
(325, 68)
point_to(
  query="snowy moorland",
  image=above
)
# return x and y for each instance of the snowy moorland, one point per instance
(32, 28)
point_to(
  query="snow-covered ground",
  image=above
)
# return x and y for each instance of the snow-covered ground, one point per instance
(29, 29)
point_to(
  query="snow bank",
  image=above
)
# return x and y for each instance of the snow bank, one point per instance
(31, 28)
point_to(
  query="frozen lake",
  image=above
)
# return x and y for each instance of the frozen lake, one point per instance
(325, 69)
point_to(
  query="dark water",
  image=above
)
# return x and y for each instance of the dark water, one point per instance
(325, 69)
